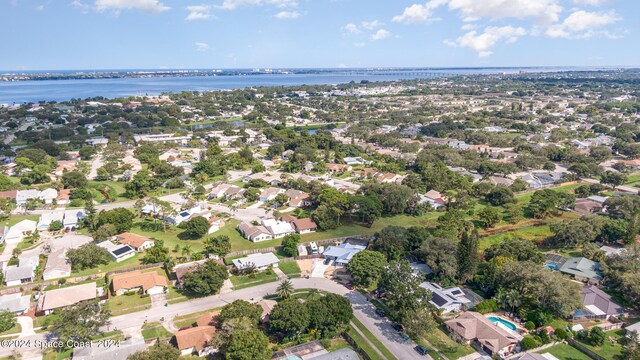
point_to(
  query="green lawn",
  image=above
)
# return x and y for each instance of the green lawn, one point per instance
(609, 350)
(14, 219)
(261, 277)
(155, 330)
(565, 352)
(374, 340)
(125, 304)
(534, 233)
(438, 338)
(14, 330)
(363, 344)
(289, 268)
(112, 265)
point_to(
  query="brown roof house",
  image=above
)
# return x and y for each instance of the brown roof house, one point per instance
(304, 226)
(138, 242)
(197, 340)
(339, 168)
(149, 282)
(183, 269)
(475, 329)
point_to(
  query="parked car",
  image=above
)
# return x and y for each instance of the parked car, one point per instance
(397, 327)
(327, 261)
(421, 350)
(380, 312)
(349, 286)
(184, 328)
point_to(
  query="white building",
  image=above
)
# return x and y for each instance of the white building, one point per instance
(277, 228)
(450, 299)
(259, 261)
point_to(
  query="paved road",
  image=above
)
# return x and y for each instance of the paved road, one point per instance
(628, 189)
(363, 311)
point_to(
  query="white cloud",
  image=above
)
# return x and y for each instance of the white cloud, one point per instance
(483, 43)
(419, 13)
(467, 27)
(39, 8)
(583, 24)
(546, 11)
(200, 46)
(590, 2)
(352, 28)
(84, 8)
(380, 35)
(284, 15)
(198, 12)
(371, 25)
(148, 6)
(234, 4)
(359, 44)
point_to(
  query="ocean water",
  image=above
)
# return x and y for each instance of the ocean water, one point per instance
(62, 90)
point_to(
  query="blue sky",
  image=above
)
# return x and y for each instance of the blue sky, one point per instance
(126, 34)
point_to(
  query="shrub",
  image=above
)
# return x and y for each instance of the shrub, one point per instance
(561, 334)
(529, 325)
(487, 306)
(529, 342)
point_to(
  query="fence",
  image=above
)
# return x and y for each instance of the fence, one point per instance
(584, 349)
(136, 268)
(355, 346)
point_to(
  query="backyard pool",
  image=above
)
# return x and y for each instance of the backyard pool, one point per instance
(504, 322)
(552, 266)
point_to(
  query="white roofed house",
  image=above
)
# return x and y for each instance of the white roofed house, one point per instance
(277, 228)
(57, 266)
(270, 194)
(48, 217)
(23, 272)
(16, 303)
(342, 253)
(48, 195)
(258, 261)
(72, 218)
(254, 233)
(298, 198)
(18, 231)
(23, 195)
(449, 299)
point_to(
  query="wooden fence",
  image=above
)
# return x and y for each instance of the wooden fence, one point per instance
(584, 349)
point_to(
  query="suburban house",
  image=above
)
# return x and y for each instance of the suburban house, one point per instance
(277, 228)
(23, 272)
(121, 252)
(196, 340)
(270, 194)
(267, 306)
(215, 224)
(258, 261)
(597, 305)
(72, 218)
(64, 197)
(59, 298)
(148, 282)
(386, 178)
(18, 231)
(631, 329)
(434, 198)
(137, 242)
(582, 269)
(57, 266)
(16, 303)
(123, 350)
(254, 233)
(304, 226)
(475, 329)
(48, 217)
(181, 270)
(449, 299)
(355, 160)
(586, 206)
(47, 196)
(338, 168)
(298, 198)
(342, 253)
(188, 214)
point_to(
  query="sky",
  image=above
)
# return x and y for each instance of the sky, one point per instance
(218, 34)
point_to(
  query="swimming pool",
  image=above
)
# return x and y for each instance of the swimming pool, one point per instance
(504, 322)
(552, 266)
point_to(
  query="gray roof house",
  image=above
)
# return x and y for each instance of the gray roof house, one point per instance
(16, 303)
(342, 253)
(122, 351)
(582, 269)
(57, 266)
(597, 305)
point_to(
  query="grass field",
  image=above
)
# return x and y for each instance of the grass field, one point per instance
(289, 268)
(439, 339)
(258, 277)
(373, 339)
(609, 350)
(14, 219)
(565, 352)
(112, 265)
(125, 304)
(363, 344)
(155, 330)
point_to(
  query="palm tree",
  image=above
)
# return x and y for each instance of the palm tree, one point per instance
(186, 252)
(285, 289)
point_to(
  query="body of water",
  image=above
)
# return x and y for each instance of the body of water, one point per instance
(62, 90)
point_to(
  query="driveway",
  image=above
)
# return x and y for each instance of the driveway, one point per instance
(319, 268)
(26, 323)
(158, 300)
